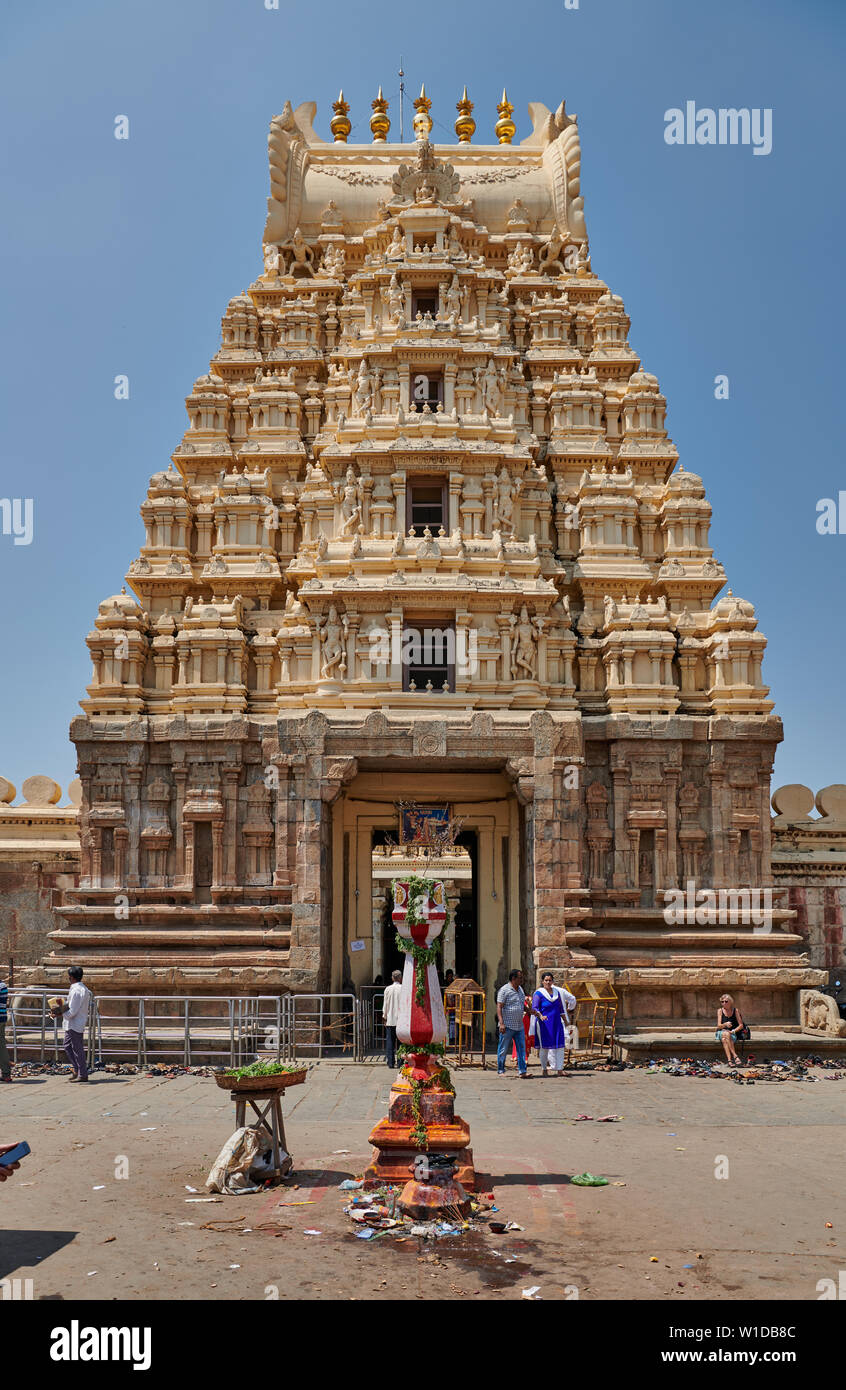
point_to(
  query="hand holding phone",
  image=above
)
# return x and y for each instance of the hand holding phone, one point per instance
(11, 1154)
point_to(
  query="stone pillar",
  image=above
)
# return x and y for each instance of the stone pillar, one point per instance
(398, 485)
(719, 822)
(671, 867)
(454, 515)
(503, 622)
(352, 637)
(121, 839)
(217, 853)
(377, 912)
(229, 791)
(180, 779)
(282, 874)
(404, 374)
(621, 778)
(132, 805)
(395, 623)
(188, 876)
(452, 896)
(450, 373)
(547, 933)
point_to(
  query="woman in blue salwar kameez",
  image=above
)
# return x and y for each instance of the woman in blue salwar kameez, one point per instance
(552, 1002)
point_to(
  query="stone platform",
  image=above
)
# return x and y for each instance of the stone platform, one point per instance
(395, 1149)
(695, 1042)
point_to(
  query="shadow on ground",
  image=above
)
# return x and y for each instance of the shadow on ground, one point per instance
(30, 1248)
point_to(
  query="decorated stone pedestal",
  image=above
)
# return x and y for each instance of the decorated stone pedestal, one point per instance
(421, 1116)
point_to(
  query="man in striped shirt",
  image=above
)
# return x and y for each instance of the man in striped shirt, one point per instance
(510, 1008)
(5, 1064)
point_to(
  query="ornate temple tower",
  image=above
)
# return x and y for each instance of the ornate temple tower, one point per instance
(425, 537)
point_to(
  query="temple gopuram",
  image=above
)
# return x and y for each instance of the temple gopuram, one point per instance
(426, 555)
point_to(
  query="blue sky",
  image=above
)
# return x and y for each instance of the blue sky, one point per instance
(120, 257)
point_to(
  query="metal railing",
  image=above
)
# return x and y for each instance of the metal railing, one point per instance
(195, 1030)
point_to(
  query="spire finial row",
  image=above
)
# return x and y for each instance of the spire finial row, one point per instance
(380, 123)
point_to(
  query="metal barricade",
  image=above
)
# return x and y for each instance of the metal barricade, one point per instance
(324, 1025)
(192, 1030)
(372, 1030)
(30, 1026)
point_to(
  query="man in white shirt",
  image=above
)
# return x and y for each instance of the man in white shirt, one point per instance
(390, 1017)
(75, 1012)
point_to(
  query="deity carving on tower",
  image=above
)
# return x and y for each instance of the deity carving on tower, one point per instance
(300, 255)
(363, 394)
(334, 260)
(271, 259)
(395, 299)
(549, 257)
(453, 300)
(333, 637)
(491, 389)
(351, 503)
(506, 491)
(523, 645)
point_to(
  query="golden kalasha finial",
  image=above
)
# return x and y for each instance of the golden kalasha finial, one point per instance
(465, 125)
(379, 122)
(422, 121)
(340, 124)
(505, 128)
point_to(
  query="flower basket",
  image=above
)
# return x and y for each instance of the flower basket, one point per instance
(243, 1084)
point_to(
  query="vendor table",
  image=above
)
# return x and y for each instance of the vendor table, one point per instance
(267, 1105)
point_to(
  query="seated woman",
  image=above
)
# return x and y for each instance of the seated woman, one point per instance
(552, 1003)
(729, 1027)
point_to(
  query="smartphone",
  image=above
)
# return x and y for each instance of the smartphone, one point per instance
(15, 1155)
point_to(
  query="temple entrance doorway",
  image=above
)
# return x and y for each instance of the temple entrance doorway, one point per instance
(376, 822)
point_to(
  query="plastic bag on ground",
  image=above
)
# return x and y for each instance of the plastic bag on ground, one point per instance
(243, 1151)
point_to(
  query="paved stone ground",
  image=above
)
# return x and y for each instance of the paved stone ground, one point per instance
(79, 1232)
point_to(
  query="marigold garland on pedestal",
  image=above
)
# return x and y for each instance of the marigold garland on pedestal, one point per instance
(439, 1079)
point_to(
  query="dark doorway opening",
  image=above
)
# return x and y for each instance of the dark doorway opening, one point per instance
(646, 868)
(203, 861)
(107, 856)
(466, 925)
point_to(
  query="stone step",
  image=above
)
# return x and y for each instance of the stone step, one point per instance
(659, 954)
(628, 935)
(169, 938)
(176, 959)
(181, 914)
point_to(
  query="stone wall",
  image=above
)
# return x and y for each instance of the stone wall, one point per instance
(39, 863)
(809, 859)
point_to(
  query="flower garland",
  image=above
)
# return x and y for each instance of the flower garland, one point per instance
(439, 1079)
(423, 956)
(419, 1134)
